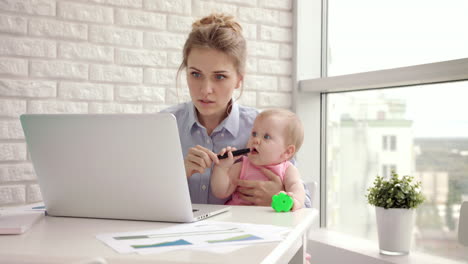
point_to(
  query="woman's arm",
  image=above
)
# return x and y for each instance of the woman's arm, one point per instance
(260, 192)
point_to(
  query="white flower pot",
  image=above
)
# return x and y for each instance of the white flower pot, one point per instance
(394, 227)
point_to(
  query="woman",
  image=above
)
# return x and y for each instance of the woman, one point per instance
(214, 57)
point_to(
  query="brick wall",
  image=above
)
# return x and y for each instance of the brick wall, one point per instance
(107, 56)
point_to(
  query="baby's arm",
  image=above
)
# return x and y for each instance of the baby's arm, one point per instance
(224, 177)
(293, 186)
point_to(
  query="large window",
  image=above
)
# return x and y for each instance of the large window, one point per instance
(365, 115)
(430, 127)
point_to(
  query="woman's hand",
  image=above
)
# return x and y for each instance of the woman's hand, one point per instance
(260, 192)
(198, 159)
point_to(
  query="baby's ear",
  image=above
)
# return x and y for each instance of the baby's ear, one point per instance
(289, 152)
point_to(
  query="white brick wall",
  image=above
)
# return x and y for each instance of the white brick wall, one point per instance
(53, 28)
(20, 46)
(85, 52)
(13, 66)
(87, 13)
(59, 69)
(139, 18)
(15, 173)
(114, 35)
(13, 24)
(107, 56)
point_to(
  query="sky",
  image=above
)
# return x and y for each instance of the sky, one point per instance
(367, 35)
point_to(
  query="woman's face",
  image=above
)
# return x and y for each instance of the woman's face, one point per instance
(212, 78)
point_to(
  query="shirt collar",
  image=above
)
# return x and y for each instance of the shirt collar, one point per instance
(192, 117)
(230, 123)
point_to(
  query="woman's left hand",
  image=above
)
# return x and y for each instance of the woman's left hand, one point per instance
(260, 192)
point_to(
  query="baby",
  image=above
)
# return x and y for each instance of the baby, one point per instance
(276, 136)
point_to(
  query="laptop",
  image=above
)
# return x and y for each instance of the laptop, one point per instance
(115, 166)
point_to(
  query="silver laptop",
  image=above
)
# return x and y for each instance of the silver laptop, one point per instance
(116, 166)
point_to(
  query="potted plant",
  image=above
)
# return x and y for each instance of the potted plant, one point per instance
(395, 200)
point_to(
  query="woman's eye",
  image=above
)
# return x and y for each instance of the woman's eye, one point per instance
(220, 77)
(195, 74)
(266, 136)
(254, 134)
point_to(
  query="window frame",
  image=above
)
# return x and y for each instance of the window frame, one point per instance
(313, 86)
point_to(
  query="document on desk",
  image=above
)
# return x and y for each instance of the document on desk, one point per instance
(18, 219)
(199, 235)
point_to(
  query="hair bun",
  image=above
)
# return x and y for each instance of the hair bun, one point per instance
(220, 20)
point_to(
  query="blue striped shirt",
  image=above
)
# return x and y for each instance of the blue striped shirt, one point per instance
(232, 131)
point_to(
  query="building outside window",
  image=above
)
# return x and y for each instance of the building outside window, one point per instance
(387, 170)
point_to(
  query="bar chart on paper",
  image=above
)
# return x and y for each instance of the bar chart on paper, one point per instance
(234, 239)
(207, 234)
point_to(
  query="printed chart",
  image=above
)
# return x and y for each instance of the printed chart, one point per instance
(206, 234)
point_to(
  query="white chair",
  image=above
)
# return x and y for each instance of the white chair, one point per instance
(463, 224)
(312, 186)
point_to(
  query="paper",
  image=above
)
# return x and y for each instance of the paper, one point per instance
(34, 207)
(205, 235)
(18, 222)
(18, 219)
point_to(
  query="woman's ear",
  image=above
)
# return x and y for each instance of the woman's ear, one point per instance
(289, 152)
(239, 82)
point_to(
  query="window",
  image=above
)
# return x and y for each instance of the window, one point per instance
(392, 143)
(433, 145)
(364, 118)
(368, 35)
(389, 143)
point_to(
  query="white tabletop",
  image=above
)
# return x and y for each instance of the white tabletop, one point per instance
(72, 240)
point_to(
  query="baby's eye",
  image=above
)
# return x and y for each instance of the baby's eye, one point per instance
(254, 134)
(195, 74)
(266, 136)
(220, 77)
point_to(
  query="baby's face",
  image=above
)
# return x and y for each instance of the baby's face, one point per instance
(267, 143)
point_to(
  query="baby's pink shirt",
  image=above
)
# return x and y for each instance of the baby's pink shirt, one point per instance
(249, 171)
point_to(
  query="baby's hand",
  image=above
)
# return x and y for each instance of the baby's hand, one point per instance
(229, 161)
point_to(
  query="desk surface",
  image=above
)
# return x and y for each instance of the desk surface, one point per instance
(72, 240)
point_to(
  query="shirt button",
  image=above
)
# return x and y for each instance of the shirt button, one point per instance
(208, 141)
(198, 132)
(222, 134)
(203, 187)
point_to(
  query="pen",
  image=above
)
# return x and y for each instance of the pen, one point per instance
(235, 153)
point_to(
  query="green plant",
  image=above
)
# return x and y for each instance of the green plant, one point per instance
(395, 192)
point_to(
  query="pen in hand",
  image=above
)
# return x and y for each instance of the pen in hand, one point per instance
(235, 153)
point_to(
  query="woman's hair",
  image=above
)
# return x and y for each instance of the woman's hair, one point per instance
(294, 134)
(220, 32)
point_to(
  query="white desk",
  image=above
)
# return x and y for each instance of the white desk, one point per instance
(72, 240)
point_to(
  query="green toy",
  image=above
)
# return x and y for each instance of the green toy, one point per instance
(282, 202)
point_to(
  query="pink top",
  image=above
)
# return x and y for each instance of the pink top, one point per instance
(250, 171)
